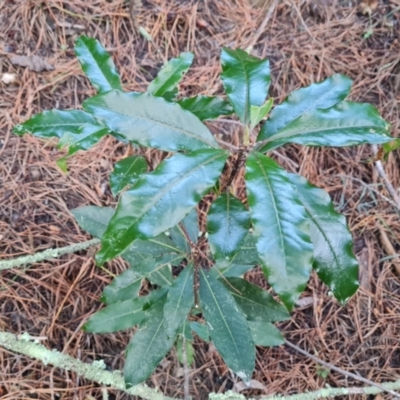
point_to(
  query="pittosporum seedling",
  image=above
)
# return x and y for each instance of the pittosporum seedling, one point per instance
(282, 223)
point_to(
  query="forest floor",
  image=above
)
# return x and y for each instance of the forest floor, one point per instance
(306, 41)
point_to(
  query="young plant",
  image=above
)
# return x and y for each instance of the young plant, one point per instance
(283, 224)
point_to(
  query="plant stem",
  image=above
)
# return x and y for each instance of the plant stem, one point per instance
(47, 254)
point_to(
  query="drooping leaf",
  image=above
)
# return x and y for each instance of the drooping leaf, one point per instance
(201, 330)
(97, 64)
(180, 300)
(257, 113)
(334, 259)
(95, 220)
(265, 334)
(161, 199)
(127, 285)
(246, 81)
(170, 74)
(320, 95)
(126, 172)
(228, 223)
(85, 137)
(227, 326)
(206, 107)
(150, 121)
(121, 315)
(55, 123)
(281, 227)
(189, 351)
(148, 346)
(185, 330)
(256, 303)
(345, 124)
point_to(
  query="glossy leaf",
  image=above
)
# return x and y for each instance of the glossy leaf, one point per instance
(95, 220)
(127, 285)
(161, 199)
(257, 113)
(55, 123)
(180, 300)
(121, 315)
(334, 259)
(84, 138)
(148, 346)
(265, 334)
(189, 351)
(150, 121)
(228, 223)
(201, 330)
(97, 64)
(157, 275)
(345, 124)
(256, 303)
(281, 227)
(227, 326)
(246, 81)
(320, 95)
(189, 224)
(206, 107)
(230, 269)
(248, 254)
(169, 75)
(126, 172)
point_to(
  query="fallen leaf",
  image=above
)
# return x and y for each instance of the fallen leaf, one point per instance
(33, 63)
(368, 7)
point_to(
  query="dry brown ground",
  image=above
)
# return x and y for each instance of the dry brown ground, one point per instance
(306, 41)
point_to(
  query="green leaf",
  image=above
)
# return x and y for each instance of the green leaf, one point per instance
(334, 259)
(258, 113)
(345, 124)
(55, 123)
(121, 315)
(227, 325)
(265, 334)
(158, 271)
(170, 74)
(205, 107)
(161, 199)
(191, 225)
(248, 254)
(127, 285)
(201, 330)
(85, 137)
(179, 302)
(126, 172)
(62, 164)
(281, 227)
(320, 95)
(256, 303)
(389, 147)
(148, 346)
(97, 64)
(189, 351)
(150, 121)
(246, 81)
(95, 220)
(228, 223)
(230, 269)
(185, 330)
